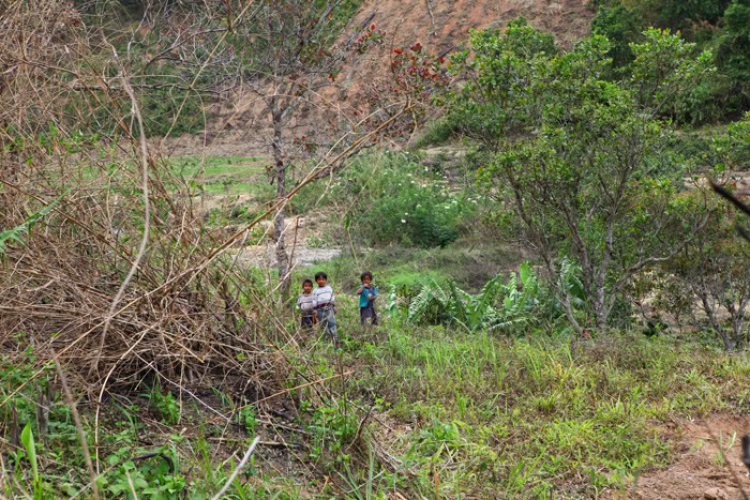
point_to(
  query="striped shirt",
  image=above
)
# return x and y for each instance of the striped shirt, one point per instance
(306, 303)
(323, 296)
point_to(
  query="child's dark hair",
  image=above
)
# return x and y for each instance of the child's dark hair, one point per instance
(366, 274)
(307, 281)
(321, 275)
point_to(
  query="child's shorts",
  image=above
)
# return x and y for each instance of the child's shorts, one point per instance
(366, 313)
(308, 322)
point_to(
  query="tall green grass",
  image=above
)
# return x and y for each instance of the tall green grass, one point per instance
(531, 416)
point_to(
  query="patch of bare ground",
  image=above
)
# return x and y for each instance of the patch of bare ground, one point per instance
(304, 234)
(708, 464)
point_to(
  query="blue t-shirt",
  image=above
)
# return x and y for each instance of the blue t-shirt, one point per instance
(366, 295)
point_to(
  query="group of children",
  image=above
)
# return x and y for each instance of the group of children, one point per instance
(318, 305)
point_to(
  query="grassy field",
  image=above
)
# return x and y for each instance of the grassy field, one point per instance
(461, 415)
(219, 175)
(536, 416)
(481, 416)
(421, 411)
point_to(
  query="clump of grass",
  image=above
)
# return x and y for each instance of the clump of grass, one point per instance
(222, 175)
(438, 133)
(528, 415)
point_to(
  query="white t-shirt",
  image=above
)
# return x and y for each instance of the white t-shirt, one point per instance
(306, 303)
(323, 295)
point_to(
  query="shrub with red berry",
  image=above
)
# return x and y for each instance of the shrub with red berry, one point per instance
(418, 81)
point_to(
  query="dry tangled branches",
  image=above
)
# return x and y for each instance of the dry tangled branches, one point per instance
(179, 316)
(188, 311)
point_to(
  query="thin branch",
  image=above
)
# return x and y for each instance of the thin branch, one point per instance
(237, 470)
(79, 428)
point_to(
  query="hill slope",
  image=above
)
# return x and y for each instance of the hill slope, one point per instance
(439, 25)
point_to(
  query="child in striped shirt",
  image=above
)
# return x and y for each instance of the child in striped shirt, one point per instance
(306, 305)
(325, 305)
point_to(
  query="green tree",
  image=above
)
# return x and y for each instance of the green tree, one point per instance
(733, 52)
(622, 27)
(677, 14)
(571, 170)
(714, 268)
(496, 77)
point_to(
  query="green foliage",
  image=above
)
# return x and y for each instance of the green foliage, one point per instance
(18, 233)
(722, 27)
(665, 72)
(682, 15)
(246, 418)
(396, 200)
(152, 478)
(500, 67)
(733, 148)
(575, 149)
(161, 108)
(166, 404)
(333, 428)
(621, 27)
(508, 306)
(438, 132)
(733, 54)
(27, 439)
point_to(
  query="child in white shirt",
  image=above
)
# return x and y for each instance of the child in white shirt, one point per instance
(325, 305)
(306, 305)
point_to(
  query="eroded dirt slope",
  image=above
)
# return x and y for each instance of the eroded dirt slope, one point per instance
(701, 470)
(239, 123)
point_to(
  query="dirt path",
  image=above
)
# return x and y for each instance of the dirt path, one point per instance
(697, 473)
(263, 256)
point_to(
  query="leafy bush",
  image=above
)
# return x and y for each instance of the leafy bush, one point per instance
(438, 132)
(733, 148)
(720, 26)
(622, 27)
(506, 306)
(733, 54)
(396, 200)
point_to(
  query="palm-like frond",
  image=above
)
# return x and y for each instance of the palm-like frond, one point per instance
(502, 305)
(429, 305)
(458, 301)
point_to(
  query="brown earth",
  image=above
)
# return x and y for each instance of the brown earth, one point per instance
(698, 471)
(239, 124)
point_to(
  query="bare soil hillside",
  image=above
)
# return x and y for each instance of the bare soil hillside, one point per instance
(708, 464)
(439, 25)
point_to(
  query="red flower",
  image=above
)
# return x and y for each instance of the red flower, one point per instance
(372, 28)
(398, 51)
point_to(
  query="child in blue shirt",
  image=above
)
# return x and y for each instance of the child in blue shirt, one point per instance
(367, 295)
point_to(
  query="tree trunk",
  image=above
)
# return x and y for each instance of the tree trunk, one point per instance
(728, 342)
(571, 317)
(279, 173)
